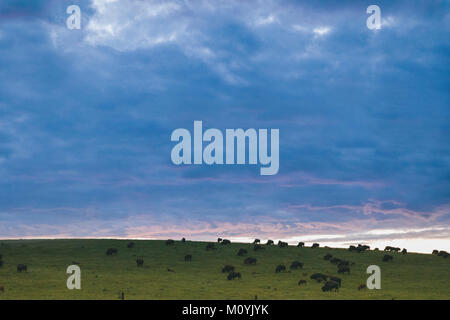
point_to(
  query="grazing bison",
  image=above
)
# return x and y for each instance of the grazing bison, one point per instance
(344, 269)
(183, 239)
(296, 265)
(188, 257)
(336, 279)
(300, 282)
(219, 240)
(130, 245)
(256, 241)
(232, 275)
(327, 256)
(210, 246)
(257, 247)
(242, 252)
(387, 258)
(170, 242)
(269, 242)
(319, 277)
(111, 252)
(140, 262)
(225, 241)
(280, 268)
(282, 244)
(22, 267)
(315, 245)
(443, 253)
(250, 261)
(435, 251)
(404, 251)
(343, 263)
(376, 249)
(330, 285)
(352, 248)
(227, 268)
(301, 244)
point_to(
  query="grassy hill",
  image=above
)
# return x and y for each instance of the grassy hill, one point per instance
(410, 276)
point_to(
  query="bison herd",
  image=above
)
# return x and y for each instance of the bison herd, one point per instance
(330, 282)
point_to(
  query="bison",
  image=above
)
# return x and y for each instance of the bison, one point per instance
(296, 265)
(315, 245)
(22, 267)
(170, 242)
(387, 258)
(140, 262)
(183, 239)
(280, 268)
(435, 251)
(219, 240)
(242, 252)
(282, 244)
(330, 285)
(257, 247)
(404, 251)
(269, 242)
(327, 256)
(335, 260)
(232, 275)
(256, 241)
(336, 279)
(227, 268)
(301, 244)
(300, 282)
(250, 261)
(188, 257)
(225, 241)
(111, 251)
(319, 277)
(344, 269)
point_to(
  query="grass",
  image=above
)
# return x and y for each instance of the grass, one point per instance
(410, 276)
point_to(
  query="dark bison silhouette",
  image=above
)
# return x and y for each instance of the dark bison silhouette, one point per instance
(330, 285)
(111, 252)
(227, 268)
(269, 242)
(300, 282)
(242, 252)
(327, 256)
(183, 239)
(296, 265)
(319, 277)
(225, 241)
(315, 245)
(257, 247)
(140, 262)
(282, 244)
(280, 268)
(336, 279)
(256, 241)
(250, 260)
(344, 269)
(22, 267)
(233, 275)
(301, 244)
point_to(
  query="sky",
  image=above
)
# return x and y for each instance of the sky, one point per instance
(86, 118)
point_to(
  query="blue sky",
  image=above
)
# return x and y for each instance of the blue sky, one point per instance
(86, 117)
